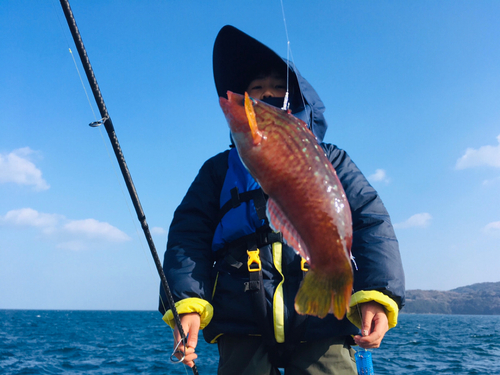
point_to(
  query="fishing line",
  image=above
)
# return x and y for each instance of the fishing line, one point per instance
(362, 356)
(289, 54)
(286, 104)
(74, 61)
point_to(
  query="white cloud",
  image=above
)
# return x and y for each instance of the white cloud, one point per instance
(379, 176)
(492, 228)
(17, 168)
(69, 234)
(484, 155)
(93, 229)
(30, 218)
(491, 181)
(158, 231)
(421, 220)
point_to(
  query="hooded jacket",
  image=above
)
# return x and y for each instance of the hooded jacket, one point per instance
(202, 282)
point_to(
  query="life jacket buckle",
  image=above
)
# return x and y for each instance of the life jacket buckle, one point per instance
(304, 266)
(254, 262)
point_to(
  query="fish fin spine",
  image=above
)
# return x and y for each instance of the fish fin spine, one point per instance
(252, 120)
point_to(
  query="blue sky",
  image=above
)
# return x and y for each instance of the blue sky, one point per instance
(412, 93)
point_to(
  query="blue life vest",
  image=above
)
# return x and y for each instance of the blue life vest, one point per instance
(242, 219)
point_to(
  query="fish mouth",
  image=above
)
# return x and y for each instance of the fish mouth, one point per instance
(234, 111)
(233, 104)
(237, 99)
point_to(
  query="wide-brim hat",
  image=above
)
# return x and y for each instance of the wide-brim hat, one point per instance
(238, 58)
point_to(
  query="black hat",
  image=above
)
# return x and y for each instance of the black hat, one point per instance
(238, 58)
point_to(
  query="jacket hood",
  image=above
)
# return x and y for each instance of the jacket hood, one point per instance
(238, 58)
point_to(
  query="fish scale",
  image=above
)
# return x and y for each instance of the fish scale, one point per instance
(306, 200)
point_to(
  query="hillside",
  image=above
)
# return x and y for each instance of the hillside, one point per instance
(476, 299)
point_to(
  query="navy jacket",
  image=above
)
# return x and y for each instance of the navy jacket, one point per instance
(192, 270)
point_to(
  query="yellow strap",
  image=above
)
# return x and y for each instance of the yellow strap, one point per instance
(278, 299)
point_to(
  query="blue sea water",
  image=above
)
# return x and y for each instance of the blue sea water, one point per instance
(128, 342)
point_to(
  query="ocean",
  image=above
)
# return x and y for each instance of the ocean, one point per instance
(138, 342)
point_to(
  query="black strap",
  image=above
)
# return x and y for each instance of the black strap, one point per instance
(255, 286)
(262, 237)
(237, 198)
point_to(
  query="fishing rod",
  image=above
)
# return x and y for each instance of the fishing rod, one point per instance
(108, 125)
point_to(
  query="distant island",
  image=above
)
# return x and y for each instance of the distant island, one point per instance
(476, 299)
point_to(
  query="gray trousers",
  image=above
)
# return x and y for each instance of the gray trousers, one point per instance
(246, 355)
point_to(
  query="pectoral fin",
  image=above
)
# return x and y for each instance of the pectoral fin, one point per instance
(280, 223)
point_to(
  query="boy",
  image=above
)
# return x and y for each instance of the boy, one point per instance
(223, 215)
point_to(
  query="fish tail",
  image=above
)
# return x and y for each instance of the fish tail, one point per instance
(320, 294)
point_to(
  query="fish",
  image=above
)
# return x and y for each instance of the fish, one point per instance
(307, 202)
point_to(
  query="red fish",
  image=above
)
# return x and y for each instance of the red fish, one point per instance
(306, 200)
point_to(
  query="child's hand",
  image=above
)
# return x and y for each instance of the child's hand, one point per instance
(375, 325)
(191, 326)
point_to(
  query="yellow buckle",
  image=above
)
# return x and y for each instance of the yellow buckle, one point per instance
(304, 266)
(254, 263)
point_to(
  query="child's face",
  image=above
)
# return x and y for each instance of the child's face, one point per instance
(267, 86)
